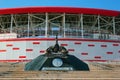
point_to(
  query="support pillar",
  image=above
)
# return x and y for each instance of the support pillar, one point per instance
(82, 32)
(114, 25)
(46, 25)
(11, 23)
(28, 28)
(99, 24)
(64, 24)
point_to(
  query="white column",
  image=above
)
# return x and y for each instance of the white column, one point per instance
(114, 25)
(98, 20)
(28, 28)
(11, 23)
(82, 32)
(64, 24)
(46, 24)
(79, 26)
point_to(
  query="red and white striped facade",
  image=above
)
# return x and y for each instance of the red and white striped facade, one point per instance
(89, 34)
(25, 49)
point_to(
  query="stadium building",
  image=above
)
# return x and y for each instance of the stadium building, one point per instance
(89, 34)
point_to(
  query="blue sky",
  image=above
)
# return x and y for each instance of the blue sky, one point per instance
(102, 4)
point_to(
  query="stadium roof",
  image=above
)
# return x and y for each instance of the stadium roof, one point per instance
(75, 10)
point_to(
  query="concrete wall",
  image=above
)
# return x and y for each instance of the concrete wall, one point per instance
(23, 49)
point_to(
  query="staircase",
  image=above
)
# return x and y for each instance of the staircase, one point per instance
(97, 71)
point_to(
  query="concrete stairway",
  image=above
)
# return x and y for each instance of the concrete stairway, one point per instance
(97, 71)
(60, 75)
